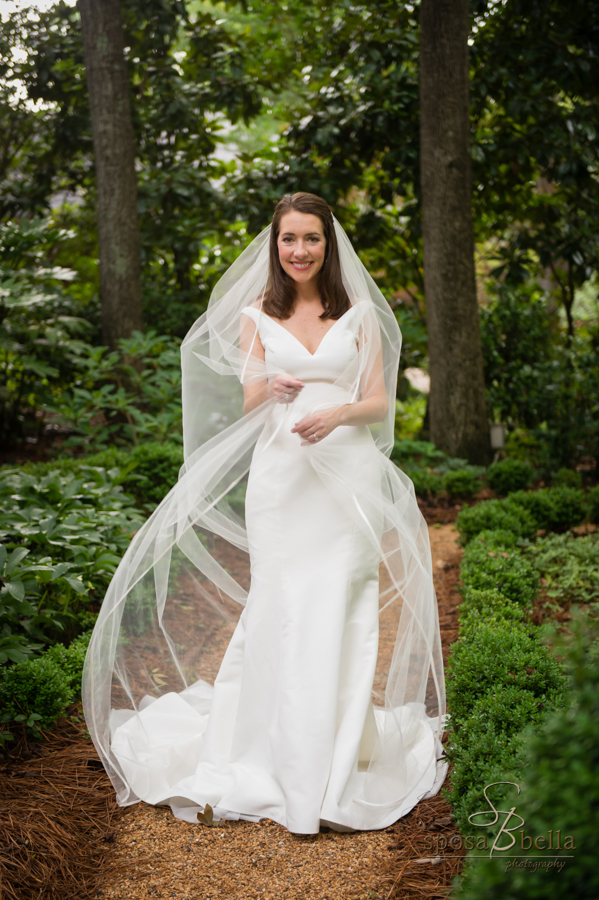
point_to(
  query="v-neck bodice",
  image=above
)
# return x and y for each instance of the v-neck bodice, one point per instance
(283, 350)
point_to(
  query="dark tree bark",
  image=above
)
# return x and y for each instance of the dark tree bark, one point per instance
(114, 150)
(458, 422)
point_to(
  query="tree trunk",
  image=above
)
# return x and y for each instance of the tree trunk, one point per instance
(114, 150)
(458, 422)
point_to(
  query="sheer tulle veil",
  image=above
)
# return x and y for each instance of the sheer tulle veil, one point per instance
(173, 603)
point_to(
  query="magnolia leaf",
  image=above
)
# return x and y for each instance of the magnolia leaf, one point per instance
(16, 589)
(15, 558)
(207, 817)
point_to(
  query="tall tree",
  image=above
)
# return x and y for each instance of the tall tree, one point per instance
(458, 422)
(114, 151)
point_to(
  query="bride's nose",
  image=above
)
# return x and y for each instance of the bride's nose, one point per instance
(300, 251)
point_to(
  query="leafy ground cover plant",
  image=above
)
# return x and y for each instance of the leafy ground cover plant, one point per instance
(568, 565)
(26, 622)
(146, 472)
(125, 397)
(63, 537)
(433, 472)
(41, 332)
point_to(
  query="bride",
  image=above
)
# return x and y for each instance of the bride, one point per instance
(308, 686)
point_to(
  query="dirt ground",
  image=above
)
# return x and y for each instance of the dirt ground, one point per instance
(166, 858)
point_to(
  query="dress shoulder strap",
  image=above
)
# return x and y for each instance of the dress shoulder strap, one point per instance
(252, 312)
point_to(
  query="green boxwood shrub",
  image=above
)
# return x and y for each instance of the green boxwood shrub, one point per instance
(70, 660)
(36, 687)
(487, 758)
(509, 475)
(505, 571)
(496, 539)
(503, 654)
(559, 790)
(425, 483)
(462, 483)
(567, 478)
(593, 504)
(491, 744)
(493, 515)
(478, 606)
(553, 509)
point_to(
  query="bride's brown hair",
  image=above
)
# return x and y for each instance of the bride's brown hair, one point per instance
(280, 291)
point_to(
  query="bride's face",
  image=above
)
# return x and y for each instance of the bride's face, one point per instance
(302, 246)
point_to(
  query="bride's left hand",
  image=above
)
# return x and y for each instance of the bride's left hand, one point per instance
(318, 426)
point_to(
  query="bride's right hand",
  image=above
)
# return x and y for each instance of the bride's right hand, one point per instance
(285, 388)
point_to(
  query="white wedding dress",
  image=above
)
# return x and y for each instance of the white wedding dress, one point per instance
(288, 731)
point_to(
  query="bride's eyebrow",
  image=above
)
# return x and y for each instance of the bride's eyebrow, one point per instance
(308, 234)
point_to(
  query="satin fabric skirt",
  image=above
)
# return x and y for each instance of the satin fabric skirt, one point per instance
(289, 727)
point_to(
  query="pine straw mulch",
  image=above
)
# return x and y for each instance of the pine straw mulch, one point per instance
(57, 818)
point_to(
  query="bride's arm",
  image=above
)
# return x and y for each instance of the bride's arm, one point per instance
(251, 348)
(374, 405)
(283, 388)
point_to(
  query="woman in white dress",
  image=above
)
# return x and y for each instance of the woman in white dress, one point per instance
(200, 693)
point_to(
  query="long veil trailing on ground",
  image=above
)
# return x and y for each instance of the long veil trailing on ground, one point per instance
(174, 601)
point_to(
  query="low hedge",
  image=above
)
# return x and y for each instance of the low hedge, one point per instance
(553, 509)
(495, 567)
(70, 660)
(500, 654)
(514, 717)
(490, 744)
(525, 512)
(463, 483)
(480, 606)
(500, 677)
(36, 692)
(492, 515)
(509, 475)
(558, 774)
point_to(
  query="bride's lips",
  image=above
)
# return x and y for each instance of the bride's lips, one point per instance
(301, 267)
